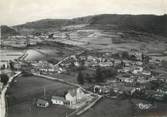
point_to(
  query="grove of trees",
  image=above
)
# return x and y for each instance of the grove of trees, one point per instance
(99, 75)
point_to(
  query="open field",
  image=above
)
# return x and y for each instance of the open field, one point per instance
(110, 108)
(158, 109)
(111, 40)
(22, 94)
(32, 85)
(125, 108)
(27, 109)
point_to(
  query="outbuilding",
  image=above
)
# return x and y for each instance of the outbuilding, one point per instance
(59, 100)
(42, 103)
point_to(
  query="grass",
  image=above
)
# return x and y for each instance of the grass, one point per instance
(22, 94)
(110, 108)
(158, 109)
(125, 108)
(26, 109)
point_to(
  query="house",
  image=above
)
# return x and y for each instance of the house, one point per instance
(136, 53)
(105, 64)
(116, 62)
(125, 69)
(142, 80)
(139, 63)
(91, 58)
(147, 73)
(127, 81)
(42, 103)
(101, 89)
(59, 100)
(76, 64)
(137, 70)
(74, 96)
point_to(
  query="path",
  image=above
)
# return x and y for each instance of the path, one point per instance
(2, 96)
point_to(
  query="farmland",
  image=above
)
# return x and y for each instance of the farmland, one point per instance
(124, 108)
(25, 90)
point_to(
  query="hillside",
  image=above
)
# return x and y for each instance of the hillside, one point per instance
(144, 23)
(5, 31)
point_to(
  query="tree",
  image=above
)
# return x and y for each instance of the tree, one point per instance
(3, 66)
(122, 64)
(50, 36)
(133, 58)
(156, 84)
(80, 78)
(112, 72)
(125, 55)
(36, 33)
(4, 78)
(145, 59)
(11, 64)
(99, 75)
(164, 63)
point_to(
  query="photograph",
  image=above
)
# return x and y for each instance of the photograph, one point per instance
(83, 58)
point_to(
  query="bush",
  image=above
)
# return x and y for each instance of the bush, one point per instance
(125, 55)
(104, 73)
(80, 78)
(4, 78)
(164, 63)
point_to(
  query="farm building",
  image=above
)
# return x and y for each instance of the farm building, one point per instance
(42, 103)
(59, 100)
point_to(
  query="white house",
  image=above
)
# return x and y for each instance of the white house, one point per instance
(137, 70)
(76, 64)
(148, 73)
(74, 95)
(58, 100)
(105, 64)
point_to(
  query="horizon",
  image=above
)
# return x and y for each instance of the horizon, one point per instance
(85, 16)
(19, 12)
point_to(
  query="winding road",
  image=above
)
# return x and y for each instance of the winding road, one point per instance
(2, 96)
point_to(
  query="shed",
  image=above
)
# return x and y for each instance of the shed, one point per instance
(42, 103)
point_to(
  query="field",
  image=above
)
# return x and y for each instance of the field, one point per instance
(111, 40)
(27, 109)
(24, 91)
(110, 108)
(125, 108)
(68, 77)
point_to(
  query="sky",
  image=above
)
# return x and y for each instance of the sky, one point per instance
(13, 12)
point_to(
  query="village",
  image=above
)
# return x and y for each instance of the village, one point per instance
(75, 81)
(83, 58)
(110, 75)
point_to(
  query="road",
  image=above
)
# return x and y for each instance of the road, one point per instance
(2, 96)
(79, 53)
(56, 79)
